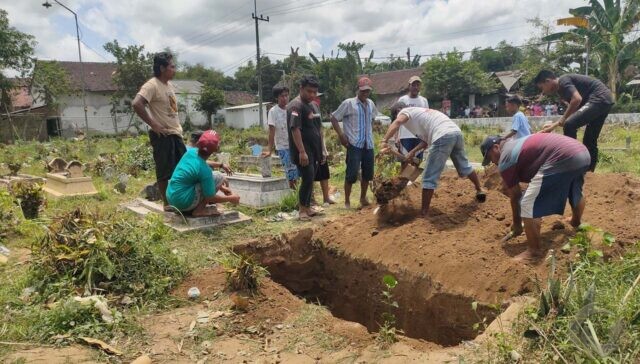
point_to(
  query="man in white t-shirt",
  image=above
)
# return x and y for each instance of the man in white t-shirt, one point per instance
(406, 140)
(444, 139)
(279, 133)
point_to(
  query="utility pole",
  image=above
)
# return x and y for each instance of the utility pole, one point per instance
(255, 17)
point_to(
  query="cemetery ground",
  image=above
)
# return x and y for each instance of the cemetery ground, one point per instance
(348, 287)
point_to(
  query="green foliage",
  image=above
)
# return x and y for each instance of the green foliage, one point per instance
(82, 251)
(207, 76)
(450, 76)
(243, 273)
(52, 81)
(210, 101)
(68, 317)
(583, 240)
(501, 58)
(387, 333)
(289, 202)
(593, 316)
(30, 197)
(138, 158)
(16, 51)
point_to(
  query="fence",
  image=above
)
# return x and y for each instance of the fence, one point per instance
(23, 127)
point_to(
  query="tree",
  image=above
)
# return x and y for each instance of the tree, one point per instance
(449, 76)
(207, 76)
(210, 101)
(133, 68)
(51, 81)
(608, 35)
(16, 51)
(501, 58)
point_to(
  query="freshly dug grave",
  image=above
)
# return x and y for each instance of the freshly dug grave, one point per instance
(443, 263)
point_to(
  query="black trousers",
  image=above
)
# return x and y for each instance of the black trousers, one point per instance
(307, 176)
(593, 116)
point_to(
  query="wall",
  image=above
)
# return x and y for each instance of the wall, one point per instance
(537, 121)
(196, 117)
(245, 118)
(98, 114)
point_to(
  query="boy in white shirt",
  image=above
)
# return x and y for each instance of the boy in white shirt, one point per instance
(279, 134)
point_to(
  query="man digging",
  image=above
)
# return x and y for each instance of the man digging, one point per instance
(193, 186)
(444, 139)
(554, 166)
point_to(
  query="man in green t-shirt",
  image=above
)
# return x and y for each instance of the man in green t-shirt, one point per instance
(193, 186)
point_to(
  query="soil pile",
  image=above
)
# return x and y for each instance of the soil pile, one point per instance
(388, 189)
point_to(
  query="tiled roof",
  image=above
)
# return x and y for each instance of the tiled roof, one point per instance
(98, 76)
(393, 82)
(235, 98)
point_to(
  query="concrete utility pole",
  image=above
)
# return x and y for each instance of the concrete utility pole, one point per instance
(254, 15)
(47, 5)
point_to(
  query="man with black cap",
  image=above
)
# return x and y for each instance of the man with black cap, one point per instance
(554, 166)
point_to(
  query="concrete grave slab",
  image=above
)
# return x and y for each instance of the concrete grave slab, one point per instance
(175, 221)
(257, 191)
(9, 181)
(59, 185)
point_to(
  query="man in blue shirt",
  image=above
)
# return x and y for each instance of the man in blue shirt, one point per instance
(356, 135)
(193, 186)
(520, 124)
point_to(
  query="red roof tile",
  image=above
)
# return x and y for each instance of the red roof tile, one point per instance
(98, 76)
(235, 98)
(393, 82)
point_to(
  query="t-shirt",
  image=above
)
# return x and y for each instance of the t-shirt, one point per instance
(427, 124)
(278, 119)
(419, 101)
(520, 124)
(521, 159)
(306, 117)
(357, 118)
(163, 104)
(591, 89)
(190, 171)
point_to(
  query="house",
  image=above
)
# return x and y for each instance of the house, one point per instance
(234, 98)
(20, 96)
(388, 87)
(187, 92)
(510, 81)
(245, 116)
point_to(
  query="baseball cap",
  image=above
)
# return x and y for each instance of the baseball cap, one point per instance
(486, 145)
(364, 84)
(209, 141)
(414, 79)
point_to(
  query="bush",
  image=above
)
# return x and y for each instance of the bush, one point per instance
(82, 252)
(30, 196)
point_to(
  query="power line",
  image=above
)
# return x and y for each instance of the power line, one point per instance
(94, 51)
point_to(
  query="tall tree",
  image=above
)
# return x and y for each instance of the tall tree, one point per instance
(450, 76)
(16, 52)
(608, 35)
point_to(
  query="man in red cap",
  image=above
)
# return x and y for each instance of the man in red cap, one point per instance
(193, 186)
(356, 135)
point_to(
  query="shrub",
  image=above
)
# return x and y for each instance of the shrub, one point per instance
(30, 196)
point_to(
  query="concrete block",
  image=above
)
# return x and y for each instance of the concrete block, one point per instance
(9, 181)
(59, 185)
(179, 223)
(257, 191)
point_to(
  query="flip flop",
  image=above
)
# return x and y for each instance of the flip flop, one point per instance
(481, 196)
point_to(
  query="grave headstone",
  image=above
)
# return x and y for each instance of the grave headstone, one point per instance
(108, 173)
(265, 167)
(57, 165)
(151, 192)
(75, 169)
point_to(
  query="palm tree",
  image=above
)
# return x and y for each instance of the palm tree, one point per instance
(607, 33)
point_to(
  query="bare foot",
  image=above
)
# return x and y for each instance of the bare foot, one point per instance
(347, 205)
(364, 202)
(208, 211)
(304, 216)
(528, 256)
(168, 208)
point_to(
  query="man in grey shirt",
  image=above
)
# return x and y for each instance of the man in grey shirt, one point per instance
(589, 104)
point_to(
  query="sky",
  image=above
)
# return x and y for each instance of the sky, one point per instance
(221, 33)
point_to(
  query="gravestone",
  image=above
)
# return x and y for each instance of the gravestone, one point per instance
(68, 180)
(257, 191)
(182, 223)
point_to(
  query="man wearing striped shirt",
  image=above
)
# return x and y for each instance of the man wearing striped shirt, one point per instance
(356, 135)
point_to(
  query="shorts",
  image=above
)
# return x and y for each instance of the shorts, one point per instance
(547, 193)
(167, 151)
(323, 172)
(357, 159)
(450, 145)
(289, 168)
(408, 144)
(218, 180)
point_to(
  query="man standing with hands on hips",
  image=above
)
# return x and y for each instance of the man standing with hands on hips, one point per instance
(357, 116)
(166, 132)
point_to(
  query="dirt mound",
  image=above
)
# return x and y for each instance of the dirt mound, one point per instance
(388, 189)
(397, 211)
(458, 244)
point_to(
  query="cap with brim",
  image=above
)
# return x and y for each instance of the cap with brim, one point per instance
(486, 145)
(414, 79)
(208, 142)
(364, 84)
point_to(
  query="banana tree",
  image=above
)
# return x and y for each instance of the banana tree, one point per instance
(609, 33)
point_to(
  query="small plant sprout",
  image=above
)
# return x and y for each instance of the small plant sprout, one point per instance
(387, 334)
(583, 240)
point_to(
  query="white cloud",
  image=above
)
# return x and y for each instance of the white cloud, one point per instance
(221, 34)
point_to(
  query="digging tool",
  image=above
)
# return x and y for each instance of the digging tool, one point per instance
(388, 189)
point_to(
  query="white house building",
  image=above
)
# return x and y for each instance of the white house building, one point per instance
(245, 116)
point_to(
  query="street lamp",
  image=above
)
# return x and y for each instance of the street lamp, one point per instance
(47, 5)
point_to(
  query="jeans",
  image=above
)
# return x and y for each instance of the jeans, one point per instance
(448, 146)
(593, 116)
